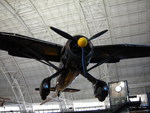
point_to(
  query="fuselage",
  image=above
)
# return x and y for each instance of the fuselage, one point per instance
(66, 79)
(71, 62)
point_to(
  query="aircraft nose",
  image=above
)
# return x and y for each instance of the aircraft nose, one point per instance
(82, 42)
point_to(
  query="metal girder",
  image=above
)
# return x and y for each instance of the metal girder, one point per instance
(81, 14)
(43, 21)
(18, 86)
(12, 11)
(146, 84)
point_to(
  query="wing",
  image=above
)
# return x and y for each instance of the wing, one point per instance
(23, 46)
(119, 52)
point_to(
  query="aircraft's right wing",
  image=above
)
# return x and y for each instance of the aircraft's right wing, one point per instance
(119, 52)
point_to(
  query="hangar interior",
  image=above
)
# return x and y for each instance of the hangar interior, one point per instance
(127, 21)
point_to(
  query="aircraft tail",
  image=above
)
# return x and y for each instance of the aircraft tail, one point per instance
(65, 90)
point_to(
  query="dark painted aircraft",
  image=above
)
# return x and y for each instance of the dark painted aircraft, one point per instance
(74, 58)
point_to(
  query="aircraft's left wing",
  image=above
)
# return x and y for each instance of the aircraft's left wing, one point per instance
(23, 46)
(119, 52)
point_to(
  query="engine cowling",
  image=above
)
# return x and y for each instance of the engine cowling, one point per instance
(45, 88)
(100, 90)
(72, 56)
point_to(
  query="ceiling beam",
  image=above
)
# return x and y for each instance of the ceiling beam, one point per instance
(42, 19)
(9, 8)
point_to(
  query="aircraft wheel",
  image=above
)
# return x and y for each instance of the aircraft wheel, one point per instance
(43, 97)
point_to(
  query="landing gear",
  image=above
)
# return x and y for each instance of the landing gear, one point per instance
(100, 90)
(45, 88)
(45, 85)
(100, 87)
(58, 94)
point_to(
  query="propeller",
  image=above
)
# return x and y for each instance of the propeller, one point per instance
(62, 33)
(97, 35)
(84, 67)
(82, 42)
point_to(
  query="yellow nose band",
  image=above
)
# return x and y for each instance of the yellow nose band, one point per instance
(82, 42)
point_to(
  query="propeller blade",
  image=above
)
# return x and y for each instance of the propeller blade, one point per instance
(98, 34)
(84, 64)
(62, 33)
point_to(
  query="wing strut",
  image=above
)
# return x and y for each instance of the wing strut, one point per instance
(101, 62)
(107, 59)
(40, 57)
(90, 78)
(56, 74)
